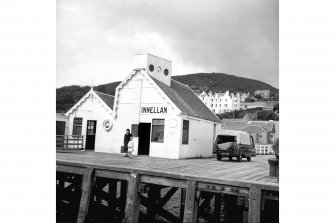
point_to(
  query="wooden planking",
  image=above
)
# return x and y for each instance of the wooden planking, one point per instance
(189, 169)
(112, 174)
(204, 186)
(70, 169)
(86, 195)
(163, 181)
(253, 175)
(244, 173)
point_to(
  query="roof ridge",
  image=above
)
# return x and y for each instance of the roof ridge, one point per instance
(103, 93)
(180, 83)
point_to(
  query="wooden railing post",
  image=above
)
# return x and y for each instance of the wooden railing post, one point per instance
(182, 203)
(255, 197)
(133, 199)
(191, 202)
(85, 195)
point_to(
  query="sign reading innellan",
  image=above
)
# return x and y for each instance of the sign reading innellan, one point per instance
(154, 110)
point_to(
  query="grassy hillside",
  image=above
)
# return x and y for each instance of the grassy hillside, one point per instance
(216, 82)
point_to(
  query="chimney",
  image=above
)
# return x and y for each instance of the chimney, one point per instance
(157, 67)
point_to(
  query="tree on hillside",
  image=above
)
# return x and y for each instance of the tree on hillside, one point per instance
(66, 97)
(248, 99)
(267, 115)
(258, 97)
(276, 108)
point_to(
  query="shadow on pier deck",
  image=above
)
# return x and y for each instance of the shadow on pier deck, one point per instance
(100, 187)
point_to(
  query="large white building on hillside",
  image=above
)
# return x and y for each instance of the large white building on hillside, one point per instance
(221, 102)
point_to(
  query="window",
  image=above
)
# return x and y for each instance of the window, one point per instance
(77, 126)
(212, 105)
(225, 105)
(186, 125)
(259, 135)
(158, 130)
(220, 100)
(212, 100)
(216, 105)
(220, 105)
(151, 67)
(225, 100)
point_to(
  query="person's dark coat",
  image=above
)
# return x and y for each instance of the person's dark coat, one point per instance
(126, 139)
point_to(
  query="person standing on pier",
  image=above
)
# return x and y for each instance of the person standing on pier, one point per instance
(126, 139)
(130, 148)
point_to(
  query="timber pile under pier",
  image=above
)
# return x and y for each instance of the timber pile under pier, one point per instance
(100, 187)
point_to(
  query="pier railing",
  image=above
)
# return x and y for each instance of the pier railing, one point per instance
(69, 142)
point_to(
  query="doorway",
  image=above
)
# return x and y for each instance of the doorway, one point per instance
(90, 134)
(144, 138)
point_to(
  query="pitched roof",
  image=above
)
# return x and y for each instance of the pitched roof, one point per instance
(253, 129)
(235, 125)
(267, 125)
(186, 100)
(108, 99)
(239, 125)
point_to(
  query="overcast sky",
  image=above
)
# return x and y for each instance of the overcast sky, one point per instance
(96, 39)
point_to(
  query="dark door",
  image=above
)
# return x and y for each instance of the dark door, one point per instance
(144, 138)
(90, 134)
(60, 128)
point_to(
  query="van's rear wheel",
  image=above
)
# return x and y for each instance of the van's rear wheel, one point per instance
(249, 158)
(218, 157)
(239, 158)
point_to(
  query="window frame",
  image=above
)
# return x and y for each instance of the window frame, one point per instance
(153, 130)
(188, 132)
(75, 126)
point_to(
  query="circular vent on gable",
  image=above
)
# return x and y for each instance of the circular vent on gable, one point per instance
(151, 67)
(166, 72)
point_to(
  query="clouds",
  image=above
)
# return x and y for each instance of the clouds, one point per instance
(97, 39)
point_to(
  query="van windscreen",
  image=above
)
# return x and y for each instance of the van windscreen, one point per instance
(225, 138)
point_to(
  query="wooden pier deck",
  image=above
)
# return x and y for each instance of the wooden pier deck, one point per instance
(192, 176)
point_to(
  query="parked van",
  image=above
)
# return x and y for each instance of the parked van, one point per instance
(232, 143)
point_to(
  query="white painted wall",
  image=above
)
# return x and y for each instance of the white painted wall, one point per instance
(92, 109)
(200, 142)
(127, 115)
(201, 138)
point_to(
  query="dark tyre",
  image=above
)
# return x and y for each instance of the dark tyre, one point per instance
(230, 158)
(218, 157)
(239, 158)
(249, 158)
